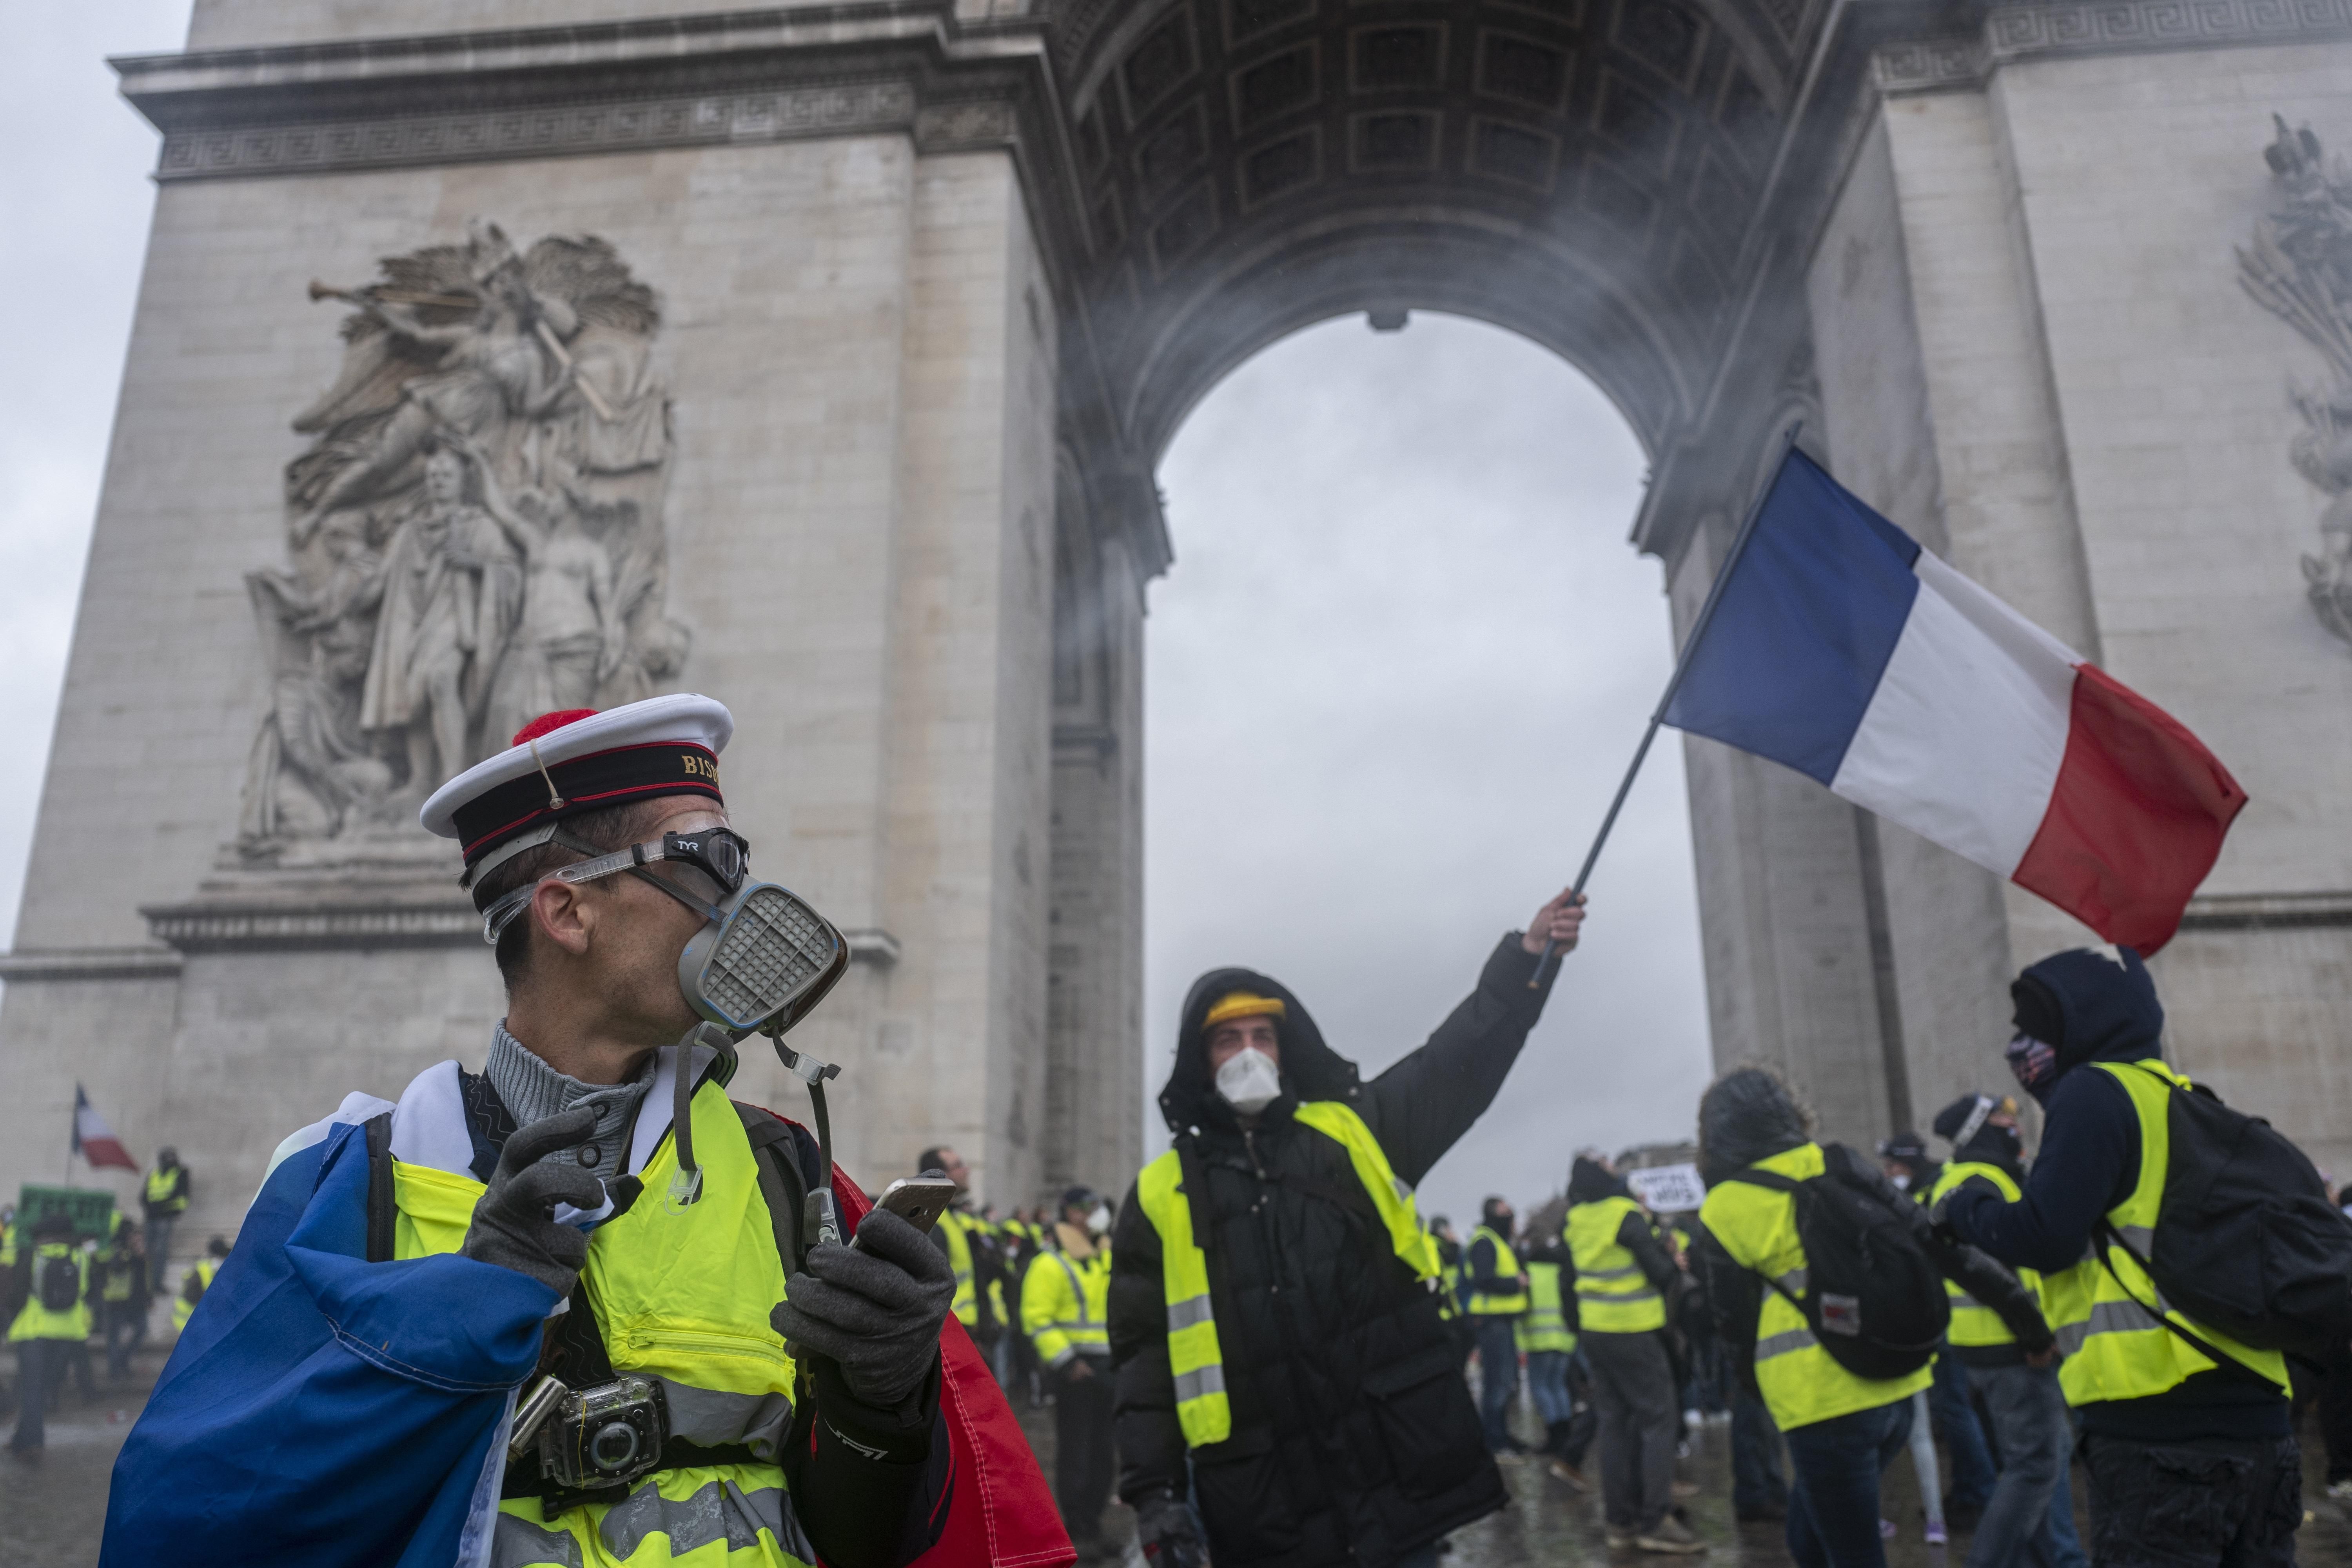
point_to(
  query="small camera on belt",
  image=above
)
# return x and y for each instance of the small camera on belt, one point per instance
(588, 1438)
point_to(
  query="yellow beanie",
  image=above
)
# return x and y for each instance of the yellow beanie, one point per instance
(1243, 1004)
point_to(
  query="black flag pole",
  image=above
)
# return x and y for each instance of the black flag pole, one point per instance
(1674, 684)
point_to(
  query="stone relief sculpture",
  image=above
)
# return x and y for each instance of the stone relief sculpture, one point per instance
(2300, 268)
(475, 533)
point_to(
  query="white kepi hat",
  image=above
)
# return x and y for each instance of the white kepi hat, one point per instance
(568, 763)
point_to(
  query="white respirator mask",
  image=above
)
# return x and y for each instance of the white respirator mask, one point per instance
(1099, 1220)
(1249, 1081)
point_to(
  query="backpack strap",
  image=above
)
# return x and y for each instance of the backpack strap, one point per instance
(381, 1209)
(782, 1182)
(1772, 1181)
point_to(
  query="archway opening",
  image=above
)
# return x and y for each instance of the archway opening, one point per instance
(1397, 669)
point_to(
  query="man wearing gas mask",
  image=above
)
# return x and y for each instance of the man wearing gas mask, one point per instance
(1275, 1335)
(540, 1313)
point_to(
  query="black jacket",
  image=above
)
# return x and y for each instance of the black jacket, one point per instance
(1354, 1439)
(1736, 1296)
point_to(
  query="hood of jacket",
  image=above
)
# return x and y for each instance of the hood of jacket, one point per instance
(1745, 1116)
(1310, 1069)
(2090, 1003)
(1589, 1181)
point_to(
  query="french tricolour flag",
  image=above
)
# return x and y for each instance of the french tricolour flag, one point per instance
(93, 1140)
(1841, 648)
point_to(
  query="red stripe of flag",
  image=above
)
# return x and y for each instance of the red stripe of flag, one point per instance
(94, 1140)
(2136, 821)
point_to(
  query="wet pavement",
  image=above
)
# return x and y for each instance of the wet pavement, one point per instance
(52, 1511)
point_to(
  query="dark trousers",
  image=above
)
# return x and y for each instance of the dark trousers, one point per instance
(40, 1366)
(1833, 1507)
(1973, 1474)
(2336, 1414)
(1634, 1394)
(1498, 1376)
(1083, 1457)
(2224, 1504)
(2029, 1424)
(158, 1251)
(1756, 1483)
(126, 1331)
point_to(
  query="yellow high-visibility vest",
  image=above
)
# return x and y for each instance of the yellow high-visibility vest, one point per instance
(1194, 1358)
(1545, 1328)
(1973, 1322)
(956, 1227)
(1065, 1305)
(2117, 1347)
(1757, 1228)
(37, 1322)
(682, 1297)
(159, 1191)
(1612, 1295)
(200, 1279)
(1482, 1304)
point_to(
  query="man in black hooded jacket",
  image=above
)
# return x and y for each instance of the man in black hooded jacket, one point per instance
(2190, 1461)
(1348, 1434)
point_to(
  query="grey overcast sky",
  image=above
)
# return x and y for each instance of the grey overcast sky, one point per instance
(1402, 657)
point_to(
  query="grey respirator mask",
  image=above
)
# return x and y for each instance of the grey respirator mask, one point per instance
(763, 959)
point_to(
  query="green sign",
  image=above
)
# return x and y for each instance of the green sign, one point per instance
(91, 1211)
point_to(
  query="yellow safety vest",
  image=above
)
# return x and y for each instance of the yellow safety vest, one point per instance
(1193, 1357)
(1612, 1295)
(1757, 1228)
(2115, 1346)
(37, 1322)
(682, 1297)
(1449, 1283)
(1065, 1305)
(957, 1227)
(160, 1183)
(182, 1307)
(1545, 1328)
(1507, 1266)
(1973, 1322)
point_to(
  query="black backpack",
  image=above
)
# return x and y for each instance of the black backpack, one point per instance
(1872, 1296)
(60, 1284)
(2246, 1240)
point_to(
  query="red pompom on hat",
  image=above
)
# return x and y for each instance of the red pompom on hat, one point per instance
(568, 763)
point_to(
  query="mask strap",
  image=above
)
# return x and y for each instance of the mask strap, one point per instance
(1975, 1123)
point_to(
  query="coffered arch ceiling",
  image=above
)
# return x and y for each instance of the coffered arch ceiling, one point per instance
(1584, 171)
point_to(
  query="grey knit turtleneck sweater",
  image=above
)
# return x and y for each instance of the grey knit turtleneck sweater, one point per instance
(532, 1091)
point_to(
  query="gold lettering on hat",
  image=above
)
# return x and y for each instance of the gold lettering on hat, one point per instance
(700, 767)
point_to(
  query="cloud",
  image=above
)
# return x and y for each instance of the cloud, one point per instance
(1397, 671)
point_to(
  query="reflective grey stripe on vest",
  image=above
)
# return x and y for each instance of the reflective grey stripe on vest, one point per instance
(1785, 1343)
(2140, 1237)
(1188, 1312)
(1628, 1297)
(1077, 1293)
(719, 1510)
(2107, 1318)
(1959, 1298)
(1199, 1383)
(715, 1420)
(1584, 1274)
(1793, 1281)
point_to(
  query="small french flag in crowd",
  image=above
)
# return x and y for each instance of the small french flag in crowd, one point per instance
(1838, 647)
(93, 1140)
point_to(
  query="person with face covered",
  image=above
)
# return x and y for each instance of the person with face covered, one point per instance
(1840, 1428)
(1274, 1328)
(2187, 1434)
(1065, 1305)
(572, 1307)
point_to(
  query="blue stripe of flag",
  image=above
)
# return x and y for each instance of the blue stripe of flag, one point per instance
(1804, 627)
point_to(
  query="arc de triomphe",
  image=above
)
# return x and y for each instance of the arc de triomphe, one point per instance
(818, 357)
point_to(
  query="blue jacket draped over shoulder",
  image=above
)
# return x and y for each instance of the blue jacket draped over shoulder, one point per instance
(323, 1409)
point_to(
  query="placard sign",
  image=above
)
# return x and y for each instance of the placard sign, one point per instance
(1668, 1189)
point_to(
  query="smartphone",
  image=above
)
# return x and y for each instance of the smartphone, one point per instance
(918, 1200)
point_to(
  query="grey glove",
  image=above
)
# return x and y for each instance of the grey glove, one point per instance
(514, 1222)
(1166, 1532)
(874, 1309)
